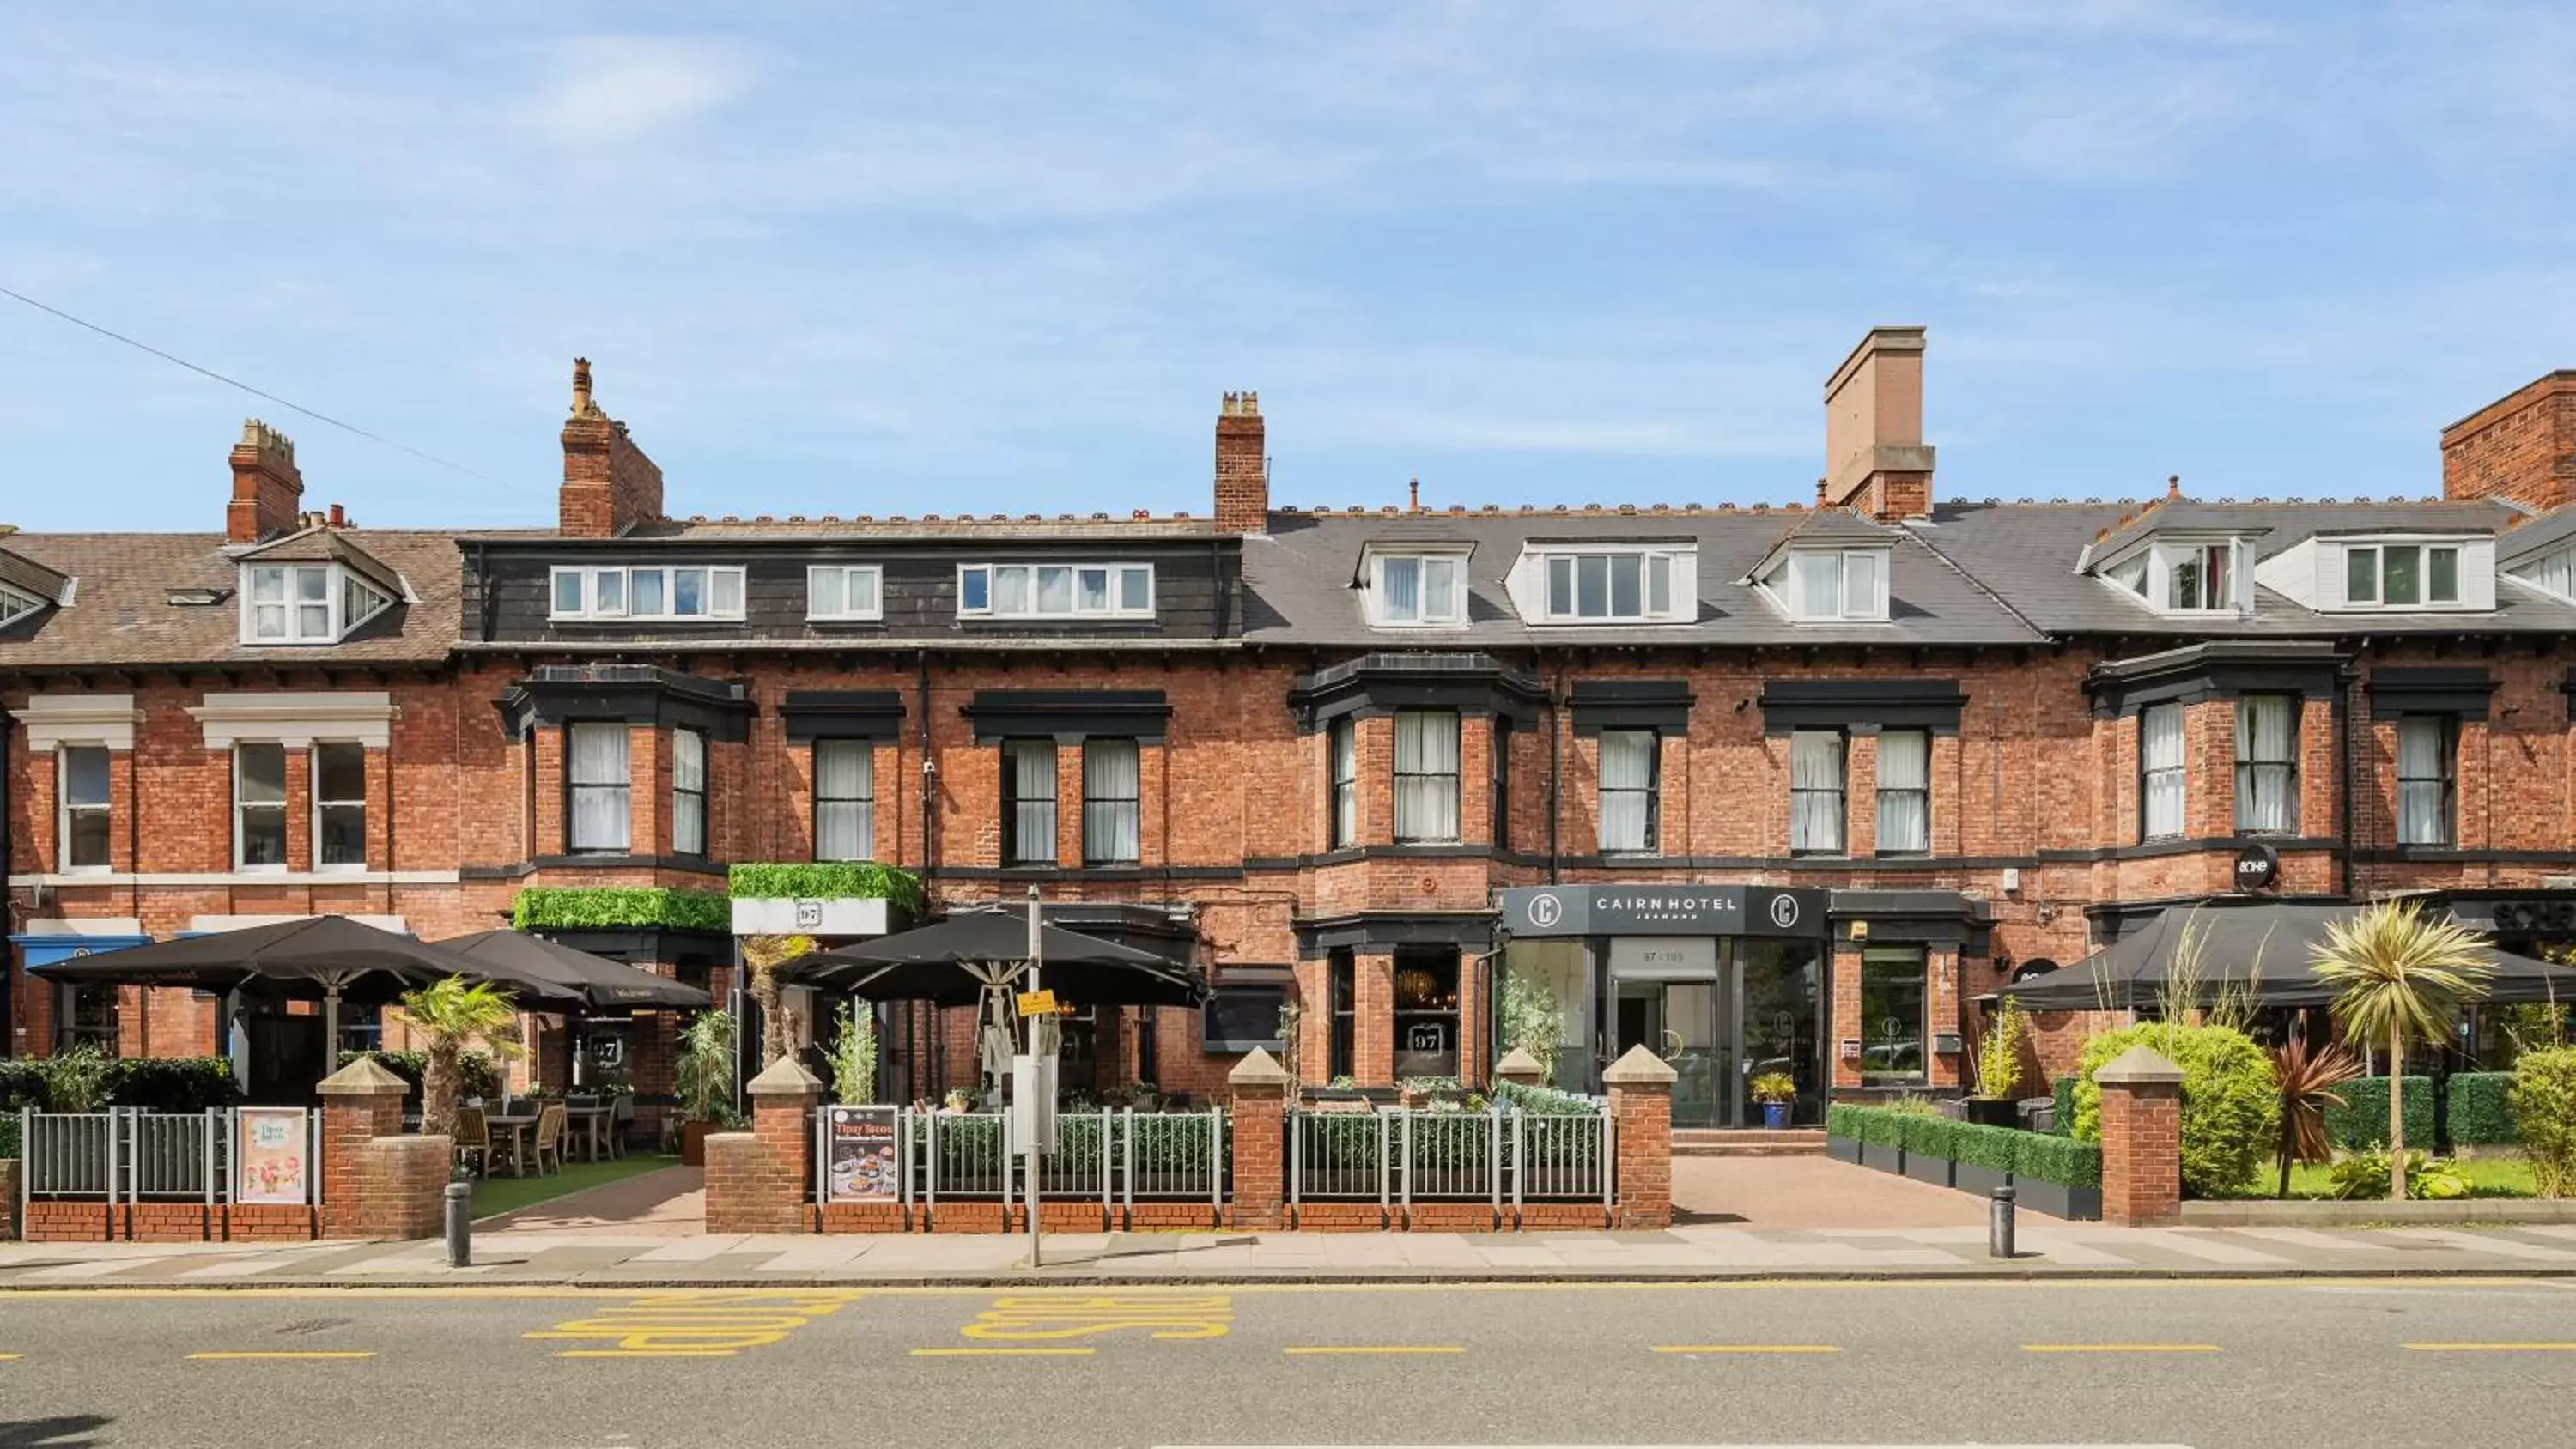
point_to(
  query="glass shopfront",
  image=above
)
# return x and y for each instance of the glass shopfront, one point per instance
(1726, 984)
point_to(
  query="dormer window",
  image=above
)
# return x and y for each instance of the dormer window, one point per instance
(1818, 584)
(2555, 572)
(1055, 591)
(1417, 590)
(1606, 584)
(2400, 575)
(843, 592)
(306, 603)
(680, 593)
(15, 605)
(2189, 575)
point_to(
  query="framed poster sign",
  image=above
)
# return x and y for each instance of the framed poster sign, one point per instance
(863, 1158)
(273, 1143)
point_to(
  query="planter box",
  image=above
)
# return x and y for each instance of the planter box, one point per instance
(693, 1143)
(1885, 1159)
(1937, 1171)
(2073, 1204)
(1843, 1149)
(1977, 1178)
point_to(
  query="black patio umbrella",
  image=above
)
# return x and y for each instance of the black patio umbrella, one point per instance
(603, 985)
(330, 959)
(2267, 944)
(960, 960)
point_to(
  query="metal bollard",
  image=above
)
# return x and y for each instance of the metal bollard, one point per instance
(460, 1225)
(1999, 1224)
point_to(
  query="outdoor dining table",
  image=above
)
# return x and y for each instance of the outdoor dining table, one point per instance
(521, 1126)
(592, 1123)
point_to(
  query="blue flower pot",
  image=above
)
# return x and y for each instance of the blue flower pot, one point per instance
(1775, 1115)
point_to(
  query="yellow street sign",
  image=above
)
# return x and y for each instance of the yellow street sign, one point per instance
(1037, 1003)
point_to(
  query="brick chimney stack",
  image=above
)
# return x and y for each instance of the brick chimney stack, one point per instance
(609, 485)
(268, 492)
(1875, 456)
(1242, 466)
(2520, 447)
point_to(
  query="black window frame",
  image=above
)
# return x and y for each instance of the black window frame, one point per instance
(1341, 1039)
(1841, 793)
(1397, 775)
(680, 792)
(1501, 804)
(2449, 779)
(2147, 776)
(1272, 994)
(574, 785)
(1341, 783)
(1011, 749)
(867, 802)
(1917, 963)
(2247, 768)
(1134, 804)
(1653, 791)
(1885, 792)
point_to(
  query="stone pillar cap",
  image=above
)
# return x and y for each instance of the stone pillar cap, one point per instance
(2139, 1066)
(784, 1079)
(1518, 1061)
(1639, 1068)
(1259, 1069)
(365, 1077)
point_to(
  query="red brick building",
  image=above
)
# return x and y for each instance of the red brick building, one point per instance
(1790, 786)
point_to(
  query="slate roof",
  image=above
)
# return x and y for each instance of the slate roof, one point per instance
(122, 612)
(1299, 576)
(30, 577)
(996, 526)
(2026, 553)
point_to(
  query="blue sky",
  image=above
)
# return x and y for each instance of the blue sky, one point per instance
(895, 259)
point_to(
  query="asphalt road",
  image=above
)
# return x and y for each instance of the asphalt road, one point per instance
(2207, 1364)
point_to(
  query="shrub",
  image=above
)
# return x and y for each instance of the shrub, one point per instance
(813, 880)
(2477, 1115)
(572, 908)
(22, 1084)
(480, 1075)
(1880, 1127)
(2231, 1106)
(1913, 1104)
(1546, 1101)
(2364, 1176)
(8, 1137)
(173, 1084)
(2362, 1120)
(1987, 1147)
(2543, 1102)
(2063, 1090)
(1999, 1055)
(78, 1080)
(2061, 1160)
(1931, 1136)
(1841, 1119)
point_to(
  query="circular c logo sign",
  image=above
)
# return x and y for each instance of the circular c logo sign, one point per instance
(1784, 911)
(1545, 911)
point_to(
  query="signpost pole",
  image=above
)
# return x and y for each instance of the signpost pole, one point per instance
(1036, 1078)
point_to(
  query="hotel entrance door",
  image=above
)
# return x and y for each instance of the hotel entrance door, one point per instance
(1753, 1010)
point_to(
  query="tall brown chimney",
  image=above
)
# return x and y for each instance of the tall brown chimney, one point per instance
(268, 492)
(2521, 447)
(609, 485)
(1242, 466)
(1875, 456)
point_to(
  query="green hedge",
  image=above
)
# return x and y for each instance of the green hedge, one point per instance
(2063, 1089)
(1931, 1136)
(2476, 1113)
(2362, 1120)
(1841, 1119)
(812, 880)
(1544, 1101)
(8, 1137)
(575, 908)
(22, 1084)
(1992, 1148)
(1882, 1128)
(2061, 1160)
(480, 1074)
(156, 1084)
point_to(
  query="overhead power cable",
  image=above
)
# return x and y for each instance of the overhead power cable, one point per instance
(246, 387)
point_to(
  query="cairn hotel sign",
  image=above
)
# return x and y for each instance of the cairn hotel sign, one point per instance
(1652, 910)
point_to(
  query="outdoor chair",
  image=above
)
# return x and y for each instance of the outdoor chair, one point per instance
(473, 1137)
(621, 1121)
(549, 1136)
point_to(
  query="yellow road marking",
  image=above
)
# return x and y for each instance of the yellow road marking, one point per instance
(646, 1353)
(2493, 1347)
(301, 1354)
(693, 1325)
(11, 1357)
(1729, 1285)
(1305, 1350)
(1004, 1352)
(1029, 1319)
(2119, 1348)
(1746, 1348)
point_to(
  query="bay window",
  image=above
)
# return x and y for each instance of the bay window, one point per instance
(688, 792)
(1426, 776)
(597, 775)
(1342, 745)
(2161, 783)
(2267, 764)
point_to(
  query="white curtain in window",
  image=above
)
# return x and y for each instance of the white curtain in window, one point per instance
(1627, 790)
(1109, 799)
(1860, 586)
(1816, 791)
(2160, 758)
(2423, 789)
(1904, 790)
(599, 780)
(1403, 588)
(2263, 759)
(844, 812)
(1033, 803)
(1346, 783)
(1816, 578)
(1426, 775)
(688, 792)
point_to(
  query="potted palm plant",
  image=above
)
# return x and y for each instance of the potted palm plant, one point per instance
(449, 1013)
(705, 1083)
(1777, 1092)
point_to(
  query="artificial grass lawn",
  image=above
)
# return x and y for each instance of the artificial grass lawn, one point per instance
(2488, 1177)
(503, 1193)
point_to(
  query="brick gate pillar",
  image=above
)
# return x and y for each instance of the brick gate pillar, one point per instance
(1641, 1114)
(2141, 1139)
(376, 1181)
(1260, 1125)
(757, 1180)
